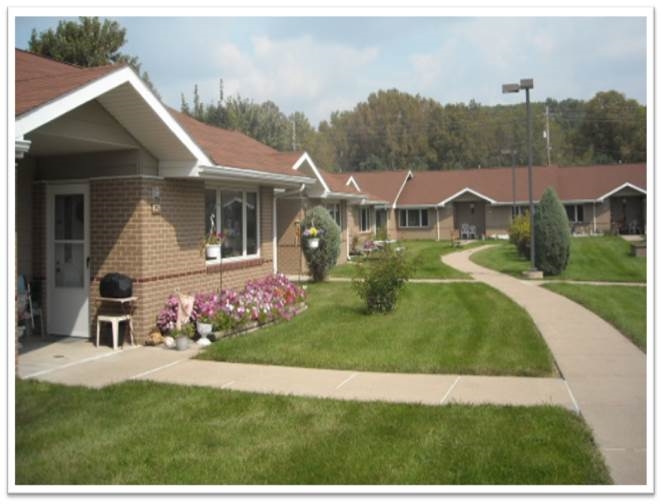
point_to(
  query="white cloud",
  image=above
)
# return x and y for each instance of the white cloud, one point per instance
(302, 72)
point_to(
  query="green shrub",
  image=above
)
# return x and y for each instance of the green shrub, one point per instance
(552, 235)
(322, 259)
(520, 234)
(379, 281)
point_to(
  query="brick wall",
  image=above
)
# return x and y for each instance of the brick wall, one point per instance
(498, 219)
(603, 217)
(161, 252)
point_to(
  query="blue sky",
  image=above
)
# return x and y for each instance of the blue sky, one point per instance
(318, 65)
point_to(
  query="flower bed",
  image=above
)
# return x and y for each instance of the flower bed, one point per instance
(271, 299)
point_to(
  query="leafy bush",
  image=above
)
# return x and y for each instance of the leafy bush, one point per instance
(520, 234)
(552, 235)
(322, 259)
(379, 280)
(187, 331)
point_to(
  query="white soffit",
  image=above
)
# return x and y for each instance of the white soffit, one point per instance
(128, 100)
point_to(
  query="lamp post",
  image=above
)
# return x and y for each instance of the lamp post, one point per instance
(527, 84)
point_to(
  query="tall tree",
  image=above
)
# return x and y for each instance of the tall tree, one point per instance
(613, 128)
(87, 43)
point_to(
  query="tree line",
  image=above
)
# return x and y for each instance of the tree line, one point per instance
(397, 130)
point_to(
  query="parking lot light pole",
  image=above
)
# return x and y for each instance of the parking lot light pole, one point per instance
(527, 84)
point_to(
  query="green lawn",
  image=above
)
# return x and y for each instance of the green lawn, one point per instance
(425, 255)
(599, 258)
(624, 307)
(467, 328)
(139, 433)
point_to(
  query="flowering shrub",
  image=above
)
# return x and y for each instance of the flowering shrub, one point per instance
(265, 300)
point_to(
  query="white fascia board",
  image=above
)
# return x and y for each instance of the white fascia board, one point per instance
(306, 158)
(368, 202)
(51, 110)
(626, 185)
(466, 190)
(353, 182)
(247, 175)
(527, 202)
(413, 207)
(406, 179)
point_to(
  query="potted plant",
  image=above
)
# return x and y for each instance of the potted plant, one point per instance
(212, 245)
(204, 328)
(312, 234)
(183, 336)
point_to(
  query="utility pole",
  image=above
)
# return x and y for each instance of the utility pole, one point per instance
(547, 135)
(513, 152)
(293, 133)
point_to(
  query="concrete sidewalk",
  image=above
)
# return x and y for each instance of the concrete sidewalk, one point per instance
(604, 370)
(367, 386)
(73, 361)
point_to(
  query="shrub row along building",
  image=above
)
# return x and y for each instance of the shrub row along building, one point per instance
(108, 179)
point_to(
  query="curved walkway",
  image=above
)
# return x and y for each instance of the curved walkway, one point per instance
(604, 370)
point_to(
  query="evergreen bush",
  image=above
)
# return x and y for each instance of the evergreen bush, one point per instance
(552, 235)
(322, 259)
(380, 279)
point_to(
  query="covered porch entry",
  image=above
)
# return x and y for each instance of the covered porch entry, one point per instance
(79, 190)
(628, 212)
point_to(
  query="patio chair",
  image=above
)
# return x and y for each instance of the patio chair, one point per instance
(28, 310)
(472, 231)
(464, 232)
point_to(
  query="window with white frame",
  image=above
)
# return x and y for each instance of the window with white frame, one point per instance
(334, 210)
(574, 213)
(234, 213)
(413, 218)
(365, 219)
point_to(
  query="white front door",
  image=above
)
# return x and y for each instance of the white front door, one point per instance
(68, 260)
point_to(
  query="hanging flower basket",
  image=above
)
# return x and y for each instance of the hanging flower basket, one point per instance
(313, 243)
(212, 251)
(312, 235)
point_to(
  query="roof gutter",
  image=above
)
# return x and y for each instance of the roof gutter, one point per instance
(248, 175)
(341, 195)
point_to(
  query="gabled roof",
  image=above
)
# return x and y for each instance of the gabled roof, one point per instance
(337, 182)
(572, 183)
(380, 185)
(235, 149)
(464, 191)
(46, 89)
(40, 80)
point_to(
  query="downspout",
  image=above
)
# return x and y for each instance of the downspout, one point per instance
(275, 236)
(293, 192)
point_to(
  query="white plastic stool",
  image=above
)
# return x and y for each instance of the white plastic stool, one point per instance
(114, 320)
